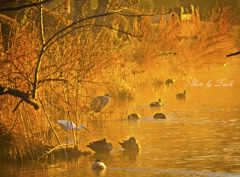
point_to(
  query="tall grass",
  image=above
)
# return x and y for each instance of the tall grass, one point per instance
(74, 70)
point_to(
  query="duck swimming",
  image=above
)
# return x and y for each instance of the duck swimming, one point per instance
(159, 116)
(169, 81)
(156, 104)
(182, 95)
(130, 145)
(98, 165)
(134, 116)
(101, 146)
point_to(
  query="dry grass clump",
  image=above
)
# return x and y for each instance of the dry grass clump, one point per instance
(18, 147)
(15, 147)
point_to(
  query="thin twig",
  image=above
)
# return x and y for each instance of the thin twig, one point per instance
(23, 6)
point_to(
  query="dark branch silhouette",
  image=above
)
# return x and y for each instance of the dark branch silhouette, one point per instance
(23, 6)
(17, 93)
(232, 54)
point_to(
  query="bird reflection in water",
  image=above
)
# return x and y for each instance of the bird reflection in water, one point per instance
(132, 154)
(104, 156)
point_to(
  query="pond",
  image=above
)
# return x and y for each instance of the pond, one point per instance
(199, 137)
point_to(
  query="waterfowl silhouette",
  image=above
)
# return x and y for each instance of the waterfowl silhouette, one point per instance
(130, 144)
(101, 146)
(159, 116)
(134, 116)
(98, 165)
(100, 103)
(182, 95)
(169, 81)
(156, 104)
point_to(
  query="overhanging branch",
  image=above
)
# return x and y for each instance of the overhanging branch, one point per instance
(17, 93)
(23, 6)
(232, 54)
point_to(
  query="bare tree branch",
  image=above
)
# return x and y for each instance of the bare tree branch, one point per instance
(17, 93)
(23, 6)
(232, 54)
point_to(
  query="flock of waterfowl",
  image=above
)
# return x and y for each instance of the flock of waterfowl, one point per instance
(102, 146)
(131, 144)
(158, 104)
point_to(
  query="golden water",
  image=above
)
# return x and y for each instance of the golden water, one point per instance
(200, 136)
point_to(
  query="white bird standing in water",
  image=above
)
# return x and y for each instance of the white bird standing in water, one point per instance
(100, 103)
(69, 126)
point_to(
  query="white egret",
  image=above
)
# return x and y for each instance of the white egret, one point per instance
(130, 145)
(156, 104)
(159, 116)
(100, 103)
(101, 146)
(69, 126)
(182, 95)
(98, 165)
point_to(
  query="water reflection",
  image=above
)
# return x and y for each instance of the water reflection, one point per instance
(103, 156)
(131, 154)
(100, 172)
